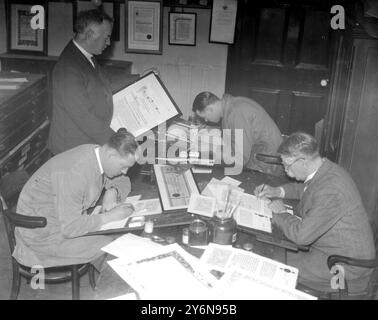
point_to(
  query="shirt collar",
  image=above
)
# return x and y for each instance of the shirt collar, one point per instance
(84, 52)
(97, 152)
(310, 176)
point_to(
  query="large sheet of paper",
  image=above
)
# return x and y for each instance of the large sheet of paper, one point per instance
(131, 247)
(175, 187)
(241, 285)
(223, 258)
(143, 105)
(169, 273)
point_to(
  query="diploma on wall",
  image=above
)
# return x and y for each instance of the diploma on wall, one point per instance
(143, 105)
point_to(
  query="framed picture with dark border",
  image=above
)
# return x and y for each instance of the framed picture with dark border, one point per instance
(143, 33)
(182, 28)
(26, 30)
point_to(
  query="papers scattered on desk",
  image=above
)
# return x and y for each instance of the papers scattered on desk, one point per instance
(169, 273)
(223, 258)
(130, 247)
(250, 211)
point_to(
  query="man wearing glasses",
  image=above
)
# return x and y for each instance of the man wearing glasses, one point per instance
(330, 216)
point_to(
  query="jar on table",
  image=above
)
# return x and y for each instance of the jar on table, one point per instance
(223, 230)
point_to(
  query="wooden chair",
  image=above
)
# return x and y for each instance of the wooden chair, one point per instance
(367, 293)
(52, 275)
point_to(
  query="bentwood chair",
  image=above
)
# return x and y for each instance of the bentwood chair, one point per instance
(12, 220)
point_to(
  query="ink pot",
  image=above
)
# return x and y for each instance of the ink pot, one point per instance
(223, 230)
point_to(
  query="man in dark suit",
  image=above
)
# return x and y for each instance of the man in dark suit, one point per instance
(330, 216)
(82, 96)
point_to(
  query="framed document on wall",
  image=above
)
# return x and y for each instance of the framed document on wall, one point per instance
(182, 28)
(27, 28)
(144, 27)
(143, 105)
(223, 21)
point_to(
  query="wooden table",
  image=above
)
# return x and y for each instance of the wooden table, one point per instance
(109, 284)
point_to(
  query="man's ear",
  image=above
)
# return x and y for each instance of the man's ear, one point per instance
(89, 34)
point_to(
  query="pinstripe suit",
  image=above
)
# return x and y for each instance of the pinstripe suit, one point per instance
(334, 221)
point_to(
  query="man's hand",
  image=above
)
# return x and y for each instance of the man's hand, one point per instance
(277, 206)
(266, 191)
(110, 199)
(119, 212)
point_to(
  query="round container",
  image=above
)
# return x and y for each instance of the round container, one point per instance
(223, 230)
(198, 233)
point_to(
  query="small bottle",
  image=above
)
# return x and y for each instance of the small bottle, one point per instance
(148, 229)
(185, 236)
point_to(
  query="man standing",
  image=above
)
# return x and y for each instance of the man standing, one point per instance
(260, 133)
(62, 191)
(329, 217)
(82, 96)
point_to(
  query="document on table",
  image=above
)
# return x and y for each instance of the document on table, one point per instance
(141, 208)
(131, 247)
(169, 273)
(203, 205)
(252, 219)
(222, 258)
(240, 285)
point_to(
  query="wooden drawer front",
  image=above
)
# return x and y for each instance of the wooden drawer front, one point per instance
(29, 95)
(32, 111)
(20, 133)
(27, 65)
(26, 155)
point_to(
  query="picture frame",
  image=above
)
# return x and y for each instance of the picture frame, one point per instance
(21, 37)
(223, 21)
(143, 33)
(175, 188)
(182, 28)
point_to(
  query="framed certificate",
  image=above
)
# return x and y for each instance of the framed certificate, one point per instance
(143, 32)
(27, 28)
(223, 21)
(175, 188)
(143, 105)
(182, 28)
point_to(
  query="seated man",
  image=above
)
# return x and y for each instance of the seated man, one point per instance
(329, 217)
(260, 133)
(62, 190)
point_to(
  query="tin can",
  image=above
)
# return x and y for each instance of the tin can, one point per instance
(223, 230)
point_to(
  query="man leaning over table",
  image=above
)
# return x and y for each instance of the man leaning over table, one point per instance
(329, 217)
(62, 190)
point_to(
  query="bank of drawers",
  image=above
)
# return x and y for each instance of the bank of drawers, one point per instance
(24, 127)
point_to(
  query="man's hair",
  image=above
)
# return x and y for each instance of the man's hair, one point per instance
(88, 17)
(299, 143)
(124, 142)
(203, 99)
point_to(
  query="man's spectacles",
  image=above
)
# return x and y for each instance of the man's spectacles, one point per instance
(287, 166)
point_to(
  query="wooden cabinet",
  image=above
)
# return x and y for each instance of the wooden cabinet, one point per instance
(24, 124)
(351, 126)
